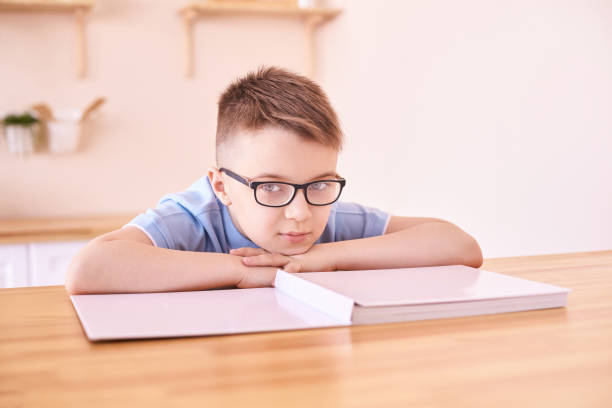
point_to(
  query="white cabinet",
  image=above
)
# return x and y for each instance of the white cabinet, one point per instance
(48, 261)
(13, 265)
(36, 263)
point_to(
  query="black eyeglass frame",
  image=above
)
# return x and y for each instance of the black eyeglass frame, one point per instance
(254, 184)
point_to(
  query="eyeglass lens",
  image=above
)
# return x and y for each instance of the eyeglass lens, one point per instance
(277, 194)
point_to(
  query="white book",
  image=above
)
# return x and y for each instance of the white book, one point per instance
(314, 300)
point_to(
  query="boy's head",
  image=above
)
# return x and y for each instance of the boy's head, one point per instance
(274, 97)
(274, 125)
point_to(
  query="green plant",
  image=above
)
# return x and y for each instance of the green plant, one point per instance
(24, 119)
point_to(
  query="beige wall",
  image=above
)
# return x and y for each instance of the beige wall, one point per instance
(492, 114)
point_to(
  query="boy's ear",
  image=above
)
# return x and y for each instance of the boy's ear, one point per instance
(218, 186)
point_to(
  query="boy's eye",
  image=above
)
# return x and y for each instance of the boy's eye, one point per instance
(271, 188)
(319, 186)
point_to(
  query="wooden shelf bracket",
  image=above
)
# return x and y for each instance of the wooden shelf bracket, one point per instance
(79, 8)
(312, 18)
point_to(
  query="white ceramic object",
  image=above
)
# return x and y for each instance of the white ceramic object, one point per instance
(64, 133)
(20, 139)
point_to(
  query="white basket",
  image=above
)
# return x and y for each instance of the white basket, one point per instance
(64, 133)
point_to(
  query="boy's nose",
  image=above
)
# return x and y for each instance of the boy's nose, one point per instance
(298, 209)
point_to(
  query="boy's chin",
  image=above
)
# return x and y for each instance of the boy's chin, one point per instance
(295, 250)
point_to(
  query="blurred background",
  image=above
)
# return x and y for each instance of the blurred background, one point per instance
(494, 115)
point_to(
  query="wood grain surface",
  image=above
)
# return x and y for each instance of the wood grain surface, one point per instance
(548, 358)
(19, 230)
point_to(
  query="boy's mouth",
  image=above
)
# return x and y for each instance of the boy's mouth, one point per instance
(294, 237)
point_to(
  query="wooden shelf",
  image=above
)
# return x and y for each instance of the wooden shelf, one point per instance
(45, 5)
(312, 16)
(78, 7)
(249, 7)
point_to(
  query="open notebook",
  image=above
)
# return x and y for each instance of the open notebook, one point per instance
(313, 300)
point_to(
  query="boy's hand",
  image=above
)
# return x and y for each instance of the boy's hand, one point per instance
(261, 257)
(257, 278)
(310, 261)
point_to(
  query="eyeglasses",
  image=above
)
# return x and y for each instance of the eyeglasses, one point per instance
(280, 194)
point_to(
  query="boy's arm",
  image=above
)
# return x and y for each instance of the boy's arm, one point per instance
(127, 261)
(408, 242)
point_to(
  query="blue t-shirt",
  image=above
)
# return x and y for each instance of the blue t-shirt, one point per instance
(195, 220)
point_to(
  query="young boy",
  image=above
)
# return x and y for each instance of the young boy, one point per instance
(270, 203)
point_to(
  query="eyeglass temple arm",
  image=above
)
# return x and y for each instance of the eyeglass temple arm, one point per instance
(236, 177)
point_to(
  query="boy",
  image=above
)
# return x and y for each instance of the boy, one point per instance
(271, 203)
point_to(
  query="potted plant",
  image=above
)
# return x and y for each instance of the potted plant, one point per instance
(21, 132)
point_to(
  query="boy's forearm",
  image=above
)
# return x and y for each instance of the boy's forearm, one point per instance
(121, 266)
(429, 244)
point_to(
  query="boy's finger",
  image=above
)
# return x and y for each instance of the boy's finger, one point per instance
(247, 251)
(292, 267)
(239, 251)
(266, 260)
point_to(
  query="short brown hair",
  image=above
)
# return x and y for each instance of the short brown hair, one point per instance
(277, 97)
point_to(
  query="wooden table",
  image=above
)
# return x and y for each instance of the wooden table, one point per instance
(548, 358)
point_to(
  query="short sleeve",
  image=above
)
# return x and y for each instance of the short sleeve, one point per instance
(189, 220)
(353, 221)
(171, 226)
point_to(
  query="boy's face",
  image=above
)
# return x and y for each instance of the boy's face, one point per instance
(274, 154)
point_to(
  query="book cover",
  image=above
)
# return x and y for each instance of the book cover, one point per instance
(314, 300)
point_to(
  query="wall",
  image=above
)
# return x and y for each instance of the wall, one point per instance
(156, 132)
(493, 115)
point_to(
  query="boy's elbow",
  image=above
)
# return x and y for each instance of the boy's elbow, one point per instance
(472, 255)
(76, 276)
(464, 249)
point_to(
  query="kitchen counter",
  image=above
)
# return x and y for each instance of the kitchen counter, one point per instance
(19, 230)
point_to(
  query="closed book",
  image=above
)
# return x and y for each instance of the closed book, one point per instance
(396, 295)
(314, 300)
